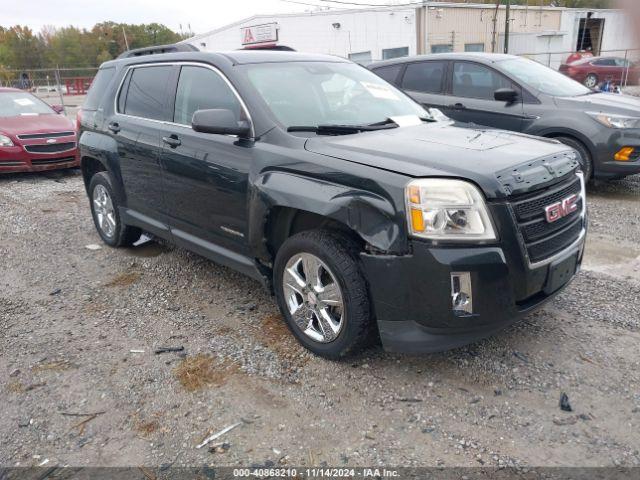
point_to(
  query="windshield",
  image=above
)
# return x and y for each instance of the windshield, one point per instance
(13, 104)
(543, 78)
(313, 93)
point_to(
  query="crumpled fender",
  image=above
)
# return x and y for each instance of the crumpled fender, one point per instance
(372, 216)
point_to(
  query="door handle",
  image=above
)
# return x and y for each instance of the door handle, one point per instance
(173, 141)
(457, 106)
(114, 127)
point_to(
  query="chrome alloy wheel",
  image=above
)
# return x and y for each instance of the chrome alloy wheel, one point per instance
(104, 212)
(313, 297)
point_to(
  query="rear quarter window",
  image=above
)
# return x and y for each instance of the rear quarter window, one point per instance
(390, 73)
(98, 88)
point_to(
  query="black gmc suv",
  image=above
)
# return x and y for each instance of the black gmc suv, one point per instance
(362, 213)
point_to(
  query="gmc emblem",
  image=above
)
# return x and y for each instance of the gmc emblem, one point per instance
(561, 209)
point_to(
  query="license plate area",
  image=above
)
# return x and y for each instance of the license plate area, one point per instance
(560, 273)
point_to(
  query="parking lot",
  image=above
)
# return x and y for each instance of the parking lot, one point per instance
(83, 386)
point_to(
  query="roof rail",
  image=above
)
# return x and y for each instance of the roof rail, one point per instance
(157, 49)
(270, 46)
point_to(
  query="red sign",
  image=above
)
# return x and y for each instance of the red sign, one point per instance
(265, 33)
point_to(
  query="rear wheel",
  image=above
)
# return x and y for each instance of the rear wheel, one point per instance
(591, 81)
(584, 157)
(106, 217)
(322, 293)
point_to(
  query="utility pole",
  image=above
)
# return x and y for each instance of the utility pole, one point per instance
(126, 42)
(494, 31)
(506, 27)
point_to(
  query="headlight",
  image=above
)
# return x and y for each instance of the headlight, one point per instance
(445, 209)
(616, 121)
(5, 141)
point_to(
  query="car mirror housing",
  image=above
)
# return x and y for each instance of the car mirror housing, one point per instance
(219, 121)
(57, 108)
(508, 95)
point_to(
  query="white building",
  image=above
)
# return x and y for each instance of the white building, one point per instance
(547, 34)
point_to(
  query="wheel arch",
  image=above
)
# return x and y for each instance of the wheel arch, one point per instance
(99, 153)
(90, 166)
(568, 132)
(283, 204)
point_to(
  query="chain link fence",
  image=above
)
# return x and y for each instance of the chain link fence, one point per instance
(611, 70)
(64, 86)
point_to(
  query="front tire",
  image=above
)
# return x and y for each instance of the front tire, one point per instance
(586, 163)
(322, 293)
(106, 216)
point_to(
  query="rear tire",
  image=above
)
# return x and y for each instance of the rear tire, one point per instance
(106, 216)
(339, 327)
(584, 157)
(591, 81)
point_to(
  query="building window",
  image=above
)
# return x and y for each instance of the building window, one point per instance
(474, 47)
(388, 53)
(363, 58)
(444, 48)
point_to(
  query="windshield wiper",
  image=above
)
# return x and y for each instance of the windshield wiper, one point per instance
(330, 129)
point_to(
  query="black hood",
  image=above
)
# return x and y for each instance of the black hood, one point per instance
(500, 162)
(602, 103)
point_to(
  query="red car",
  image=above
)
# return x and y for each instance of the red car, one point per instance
(593, 71)
(33, 135)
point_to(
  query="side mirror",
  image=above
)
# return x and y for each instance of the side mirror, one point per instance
(507, 95)
(219, 121)
(437, 115)
(58, 109)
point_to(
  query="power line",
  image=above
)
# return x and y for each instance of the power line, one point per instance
(311, 4)
(374, 4)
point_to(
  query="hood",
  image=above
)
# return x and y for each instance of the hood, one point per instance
(484, 156)
(35, 124)
(602, 103)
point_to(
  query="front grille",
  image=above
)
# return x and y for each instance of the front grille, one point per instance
(50, 148)
(544, 239)
(11, 163)
(29, 136)
(52, 161)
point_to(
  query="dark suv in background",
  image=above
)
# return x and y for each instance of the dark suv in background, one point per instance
(515, 93)
(335, 190)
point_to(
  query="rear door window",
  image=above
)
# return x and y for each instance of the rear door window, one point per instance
(424, 77)
(98, 88)
(147, 92)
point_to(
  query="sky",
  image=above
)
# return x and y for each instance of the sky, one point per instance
(202, 15)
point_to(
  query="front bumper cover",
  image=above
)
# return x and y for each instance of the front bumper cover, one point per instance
(412, 294)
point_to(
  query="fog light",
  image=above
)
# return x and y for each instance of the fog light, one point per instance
(624, 154)
(461, 296)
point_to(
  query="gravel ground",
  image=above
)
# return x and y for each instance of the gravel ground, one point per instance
(81, 384)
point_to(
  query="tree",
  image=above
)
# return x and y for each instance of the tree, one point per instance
(21, 49)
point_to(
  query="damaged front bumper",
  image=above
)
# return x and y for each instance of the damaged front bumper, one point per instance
(417, 298)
